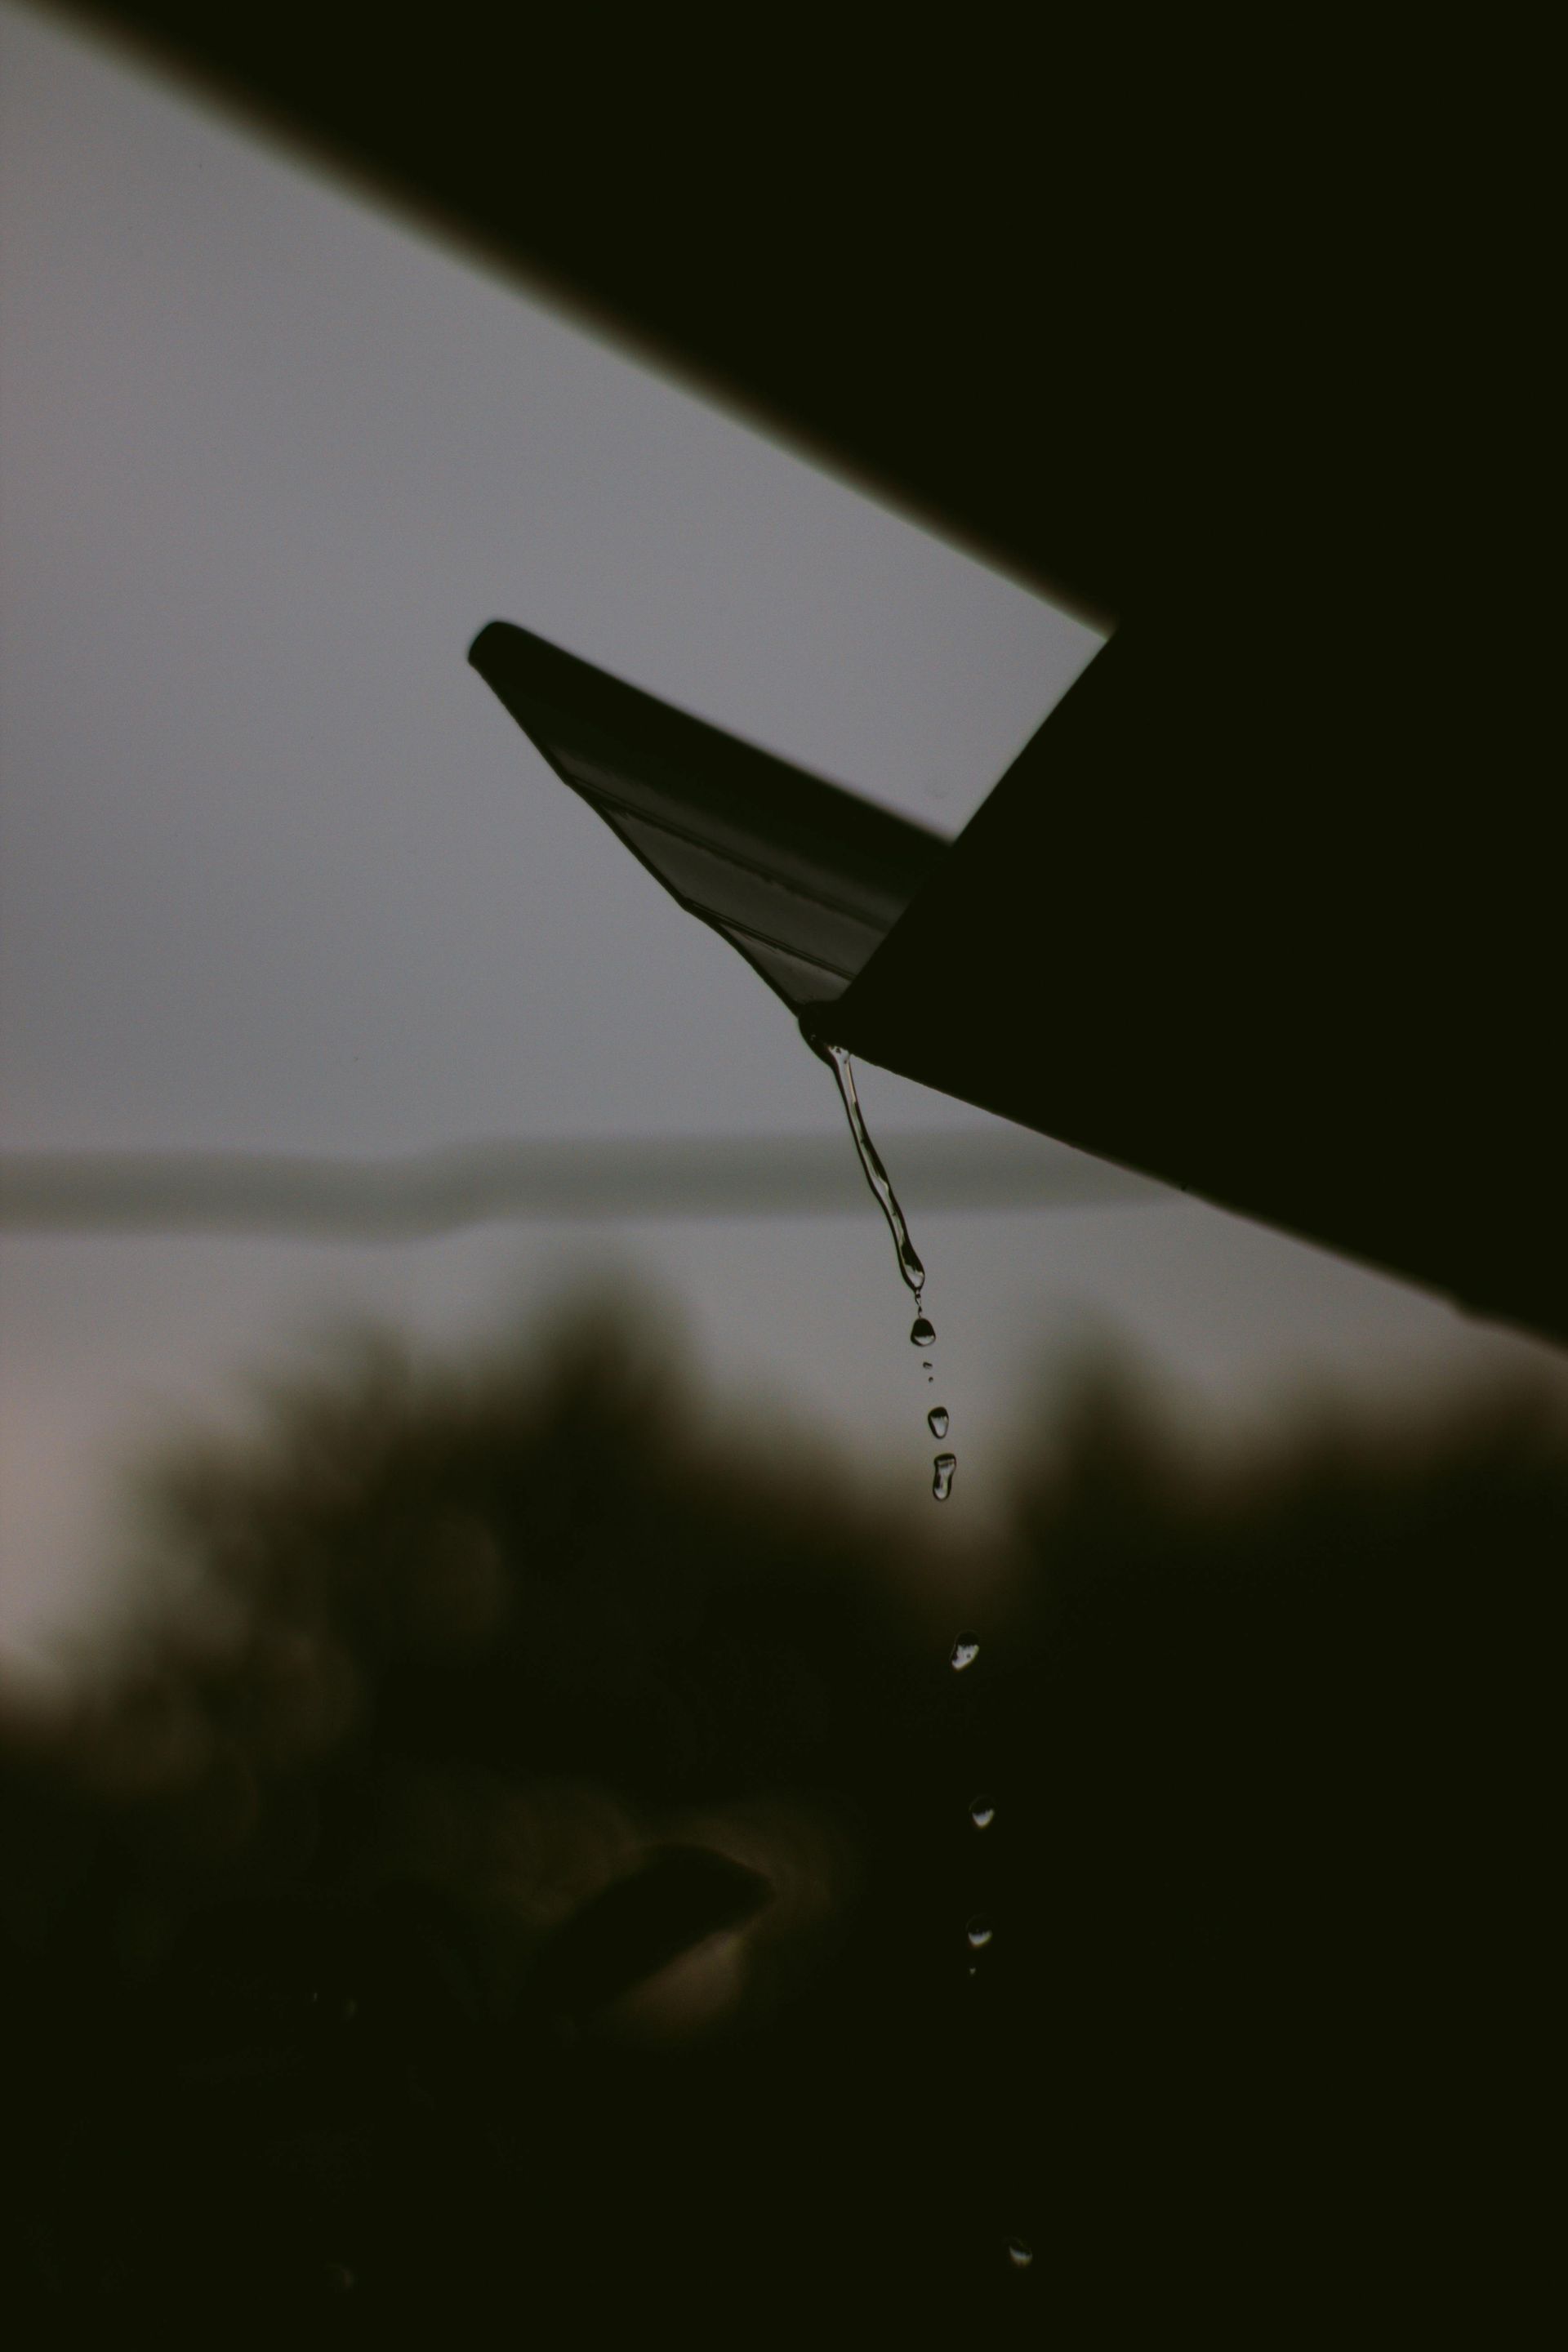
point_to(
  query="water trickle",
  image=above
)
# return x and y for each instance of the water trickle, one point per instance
(923, 1335)
(910, 1266)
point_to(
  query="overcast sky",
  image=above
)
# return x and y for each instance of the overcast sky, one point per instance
(278, 873)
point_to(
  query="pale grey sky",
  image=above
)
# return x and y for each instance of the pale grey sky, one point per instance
(277, 872)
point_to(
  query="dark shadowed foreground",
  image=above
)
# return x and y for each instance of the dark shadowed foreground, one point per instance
(525, 1881)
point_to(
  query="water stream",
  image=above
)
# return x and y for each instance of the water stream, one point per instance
(978, 1931)
(914, 1273)
(923, 1331)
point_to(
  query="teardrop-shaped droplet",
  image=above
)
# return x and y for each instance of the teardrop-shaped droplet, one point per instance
(1019, 2254)
(942, 1471)
(922, 1332)
(964, 1654)
(979, 1932)
(936, 1420)
(983, 1812)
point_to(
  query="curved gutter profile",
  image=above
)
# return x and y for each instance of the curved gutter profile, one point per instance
(803, 878)
(1134, 967)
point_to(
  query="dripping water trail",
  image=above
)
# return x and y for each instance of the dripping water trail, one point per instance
(978, 1931)
(910, 1266)
(923, 1331)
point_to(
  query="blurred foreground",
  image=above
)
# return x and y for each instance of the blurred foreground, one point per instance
(520, 1871)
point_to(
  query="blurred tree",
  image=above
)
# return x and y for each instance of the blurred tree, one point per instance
(527, 1876)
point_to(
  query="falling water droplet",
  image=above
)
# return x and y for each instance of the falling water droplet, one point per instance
(921, 1333)
(936, 1420)
(942, 1471)
(1019, 2254)
(972, 1970)
(910, 1266)
(340, 2278)
(979, 1932)
(964, 1654)
(983, 1812)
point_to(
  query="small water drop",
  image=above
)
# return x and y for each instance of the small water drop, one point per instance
(974, 1971)
(942, 1471)
(1019, 2254)
(983, 1812)
(922, 1332)
(979, 1932)
(964, 1653)
(340, 2278)
(936, 1420)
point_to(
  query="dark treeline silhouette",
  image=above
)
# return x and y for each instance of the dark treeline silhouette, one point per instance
(525, 1878)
